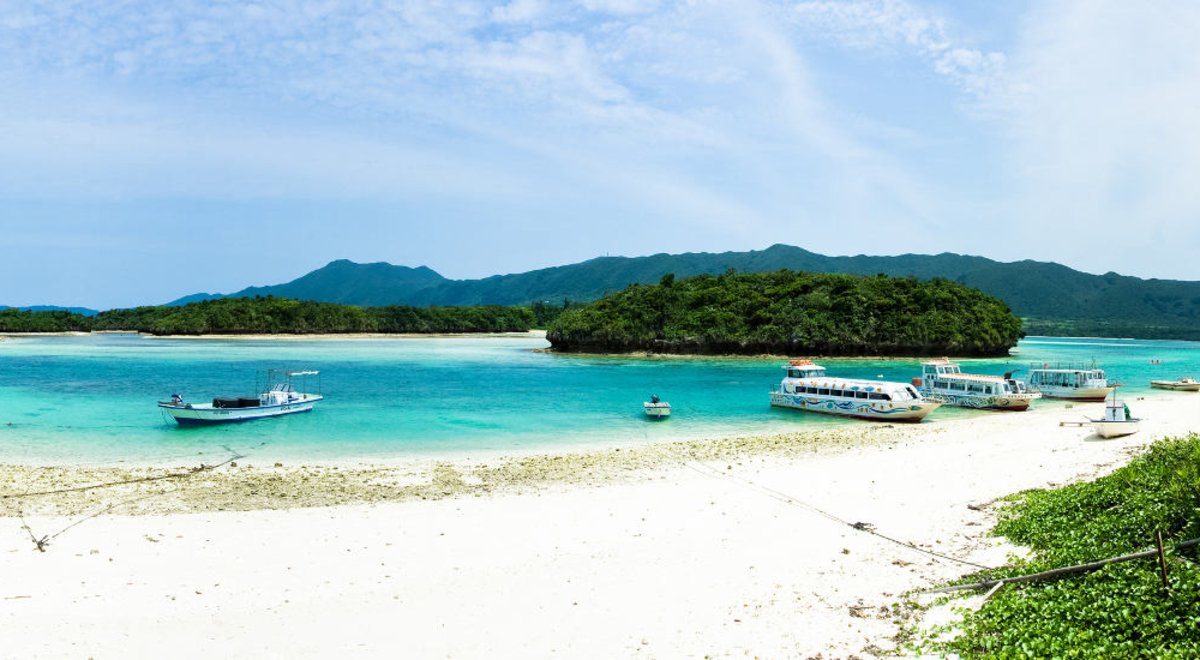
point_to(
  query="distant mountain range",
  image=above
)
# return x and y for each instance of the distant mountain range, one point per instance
(83, 311)
(1052, 297)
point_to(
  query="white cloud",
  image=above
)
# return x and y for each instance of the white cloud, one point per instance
(621, 6)
(891, 23)
(1106, 139)
(704, 114)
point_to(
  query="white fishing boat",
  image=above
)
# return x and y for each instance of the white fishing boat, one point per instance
(807, 387)
(946, 381)
(656, 408)
(1183, 384)
(277, 397)
(1070, 381)
(1117, 420)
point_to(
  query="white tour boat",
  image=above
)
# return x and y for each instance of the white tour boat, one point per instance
(806, 387)
(1117, 420)
(1074, 382)
(1183, 384)
(945, 380)
(657, 408)
(278, 397)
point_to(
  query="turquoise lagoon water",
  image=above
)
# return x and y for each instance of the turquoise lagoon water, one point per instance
(91, 399)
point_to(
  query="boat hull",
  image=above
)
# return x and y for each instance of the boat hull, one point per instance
(1073, 394)
(657, 410)
(1106, 429)
(985, 402)
(1173, 385)
(206, 415)
(872, 410)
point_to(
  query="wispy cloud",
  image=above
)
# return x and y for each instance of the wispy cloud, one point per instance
(734, 124)
(896, 23)
(1105, 145)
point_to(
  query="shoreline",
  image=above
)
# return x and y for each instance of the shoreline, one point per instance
(765, 356)
(839, 435)
(831, 430)
(537, 334)
(718, 547)
(358, 481)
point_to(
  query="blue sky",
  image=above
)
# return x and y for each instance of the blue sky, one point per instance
(150, 150)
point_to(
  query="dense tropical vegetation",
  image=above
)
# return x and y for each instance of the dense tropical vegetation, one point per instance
(1054, 299)
(1122, 610)
(786, 312)
(276, 316)
(15, 320)
(1148, 328)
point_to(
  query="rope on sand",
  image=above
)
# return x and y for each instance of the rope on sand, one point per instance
(859, 526)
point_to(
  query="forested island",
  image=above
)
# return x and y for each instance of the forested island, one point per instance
(792, 313)
(270, 315)
(1051, 299)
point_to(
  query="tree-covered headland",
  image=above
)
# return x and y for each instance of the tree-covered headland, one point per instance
(792, 313)
(235, 316)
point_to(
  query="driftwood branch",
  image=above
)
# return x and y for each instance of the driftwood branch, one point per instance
(203, 467)
(1068, 570)
(41, 542)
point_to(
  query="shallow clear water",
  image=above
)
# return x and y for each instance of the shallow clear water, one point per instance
(91, 399)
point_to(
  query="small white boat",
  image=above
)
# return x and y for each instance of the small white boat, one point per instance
(278, 397)
(1183, 384)
(1117, 420)
(656, 408)
(806, 387)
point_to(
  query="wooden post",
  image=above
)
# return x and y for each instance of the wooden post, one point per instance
(1162, 559)
(1057, 572)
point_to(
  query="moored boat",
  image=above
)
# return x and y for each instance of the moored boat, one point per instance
(656, 408)
(1117, 420)
(807, 387)
(946, 381)
(278, 397)
(1183, 384)
(1070, 381)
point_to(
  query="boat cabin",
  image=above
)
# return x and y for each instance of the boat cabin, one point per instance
(1072, 378)
(944, 376)
(805, 378)
(804, 369)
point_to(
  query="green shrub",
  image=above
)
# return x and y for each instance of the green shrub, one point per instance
(1120, 611)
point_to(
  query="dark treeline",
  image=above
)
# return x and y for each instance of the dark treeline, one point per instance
(15, 320)
(795, 313)
(1149, 329)
(231, 316)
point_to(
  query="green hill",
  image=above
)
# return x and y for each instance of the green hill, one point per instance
(343, 282)
(1052, 298)
(786, 312)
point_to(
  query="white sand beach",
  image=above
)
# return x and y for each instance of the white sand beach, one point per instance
(693, 550)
